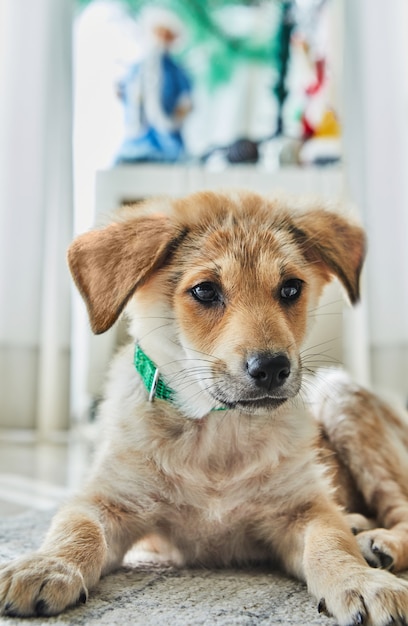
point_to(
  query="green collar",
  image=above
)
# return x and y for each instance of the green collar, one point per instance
(154, 383)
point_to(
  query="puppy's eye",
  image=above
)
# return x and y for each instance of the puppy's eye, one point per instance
(291, 290)
(208, 293)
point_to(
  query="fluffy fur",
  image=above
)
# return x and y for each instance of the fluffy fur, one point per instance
(220, 290)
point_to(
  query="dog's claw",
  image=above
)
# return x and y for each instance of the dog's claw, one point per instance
(400, 621)
(385, 560)
(10, 610)
(322, 608)
(394, 622)
(41, 608)
(83, 598)
(359, 619)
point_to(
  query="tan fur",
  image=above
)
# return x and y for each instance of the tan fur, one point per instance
(265, 480)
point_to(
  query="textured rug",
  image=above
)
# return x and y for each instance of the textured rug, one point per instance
(155, 595)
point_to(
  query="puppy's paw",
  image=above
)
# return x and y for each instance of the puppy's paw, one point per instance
(379, 548)
(372, 598)
(39, 586)
(359, 523)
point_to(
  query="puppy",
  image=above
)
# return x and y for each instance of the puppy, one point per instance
(208, 442)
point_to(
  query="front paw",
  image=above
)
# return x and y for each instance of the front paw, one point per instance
(369, 598)
(39, 585)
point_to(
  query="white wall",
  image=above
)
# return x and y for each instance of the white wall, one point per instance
(35, 212)
(376, 124)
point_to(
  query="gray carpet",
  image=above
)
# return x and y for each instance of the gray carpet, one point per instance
(152, 595)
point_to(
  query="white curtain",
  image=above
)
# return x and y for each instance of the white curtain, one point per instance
(376, 125)
(35, 212)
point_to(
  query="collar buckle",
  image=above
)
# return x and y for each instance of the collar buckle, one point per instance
(153, 387)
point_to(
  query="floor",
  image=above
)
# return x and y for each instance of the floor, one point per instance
(37, 475)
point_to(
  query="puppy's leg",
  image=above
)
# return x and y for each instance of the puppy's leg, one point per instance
(316, 545)
(372, 441)
(87, 538)
(348, 589)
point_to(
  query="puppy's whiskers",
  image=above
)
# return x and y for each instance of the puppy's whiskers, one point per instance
(154, 330)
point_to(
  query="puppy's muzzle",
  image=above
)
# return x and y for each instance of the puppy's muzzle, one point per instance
(268, 371)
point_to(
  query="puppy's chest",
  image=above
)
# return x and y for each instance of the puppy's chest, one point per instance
(216, 498)
(194, 515)
(217, 473)
(214, 485)
(222, 473)
(211, 499)
(217, 522)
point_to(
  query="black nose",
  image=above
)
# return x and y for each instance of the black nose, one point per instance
(268, 371)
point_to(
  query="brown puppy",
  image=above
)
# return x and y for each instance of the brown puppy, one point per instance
(207, 442)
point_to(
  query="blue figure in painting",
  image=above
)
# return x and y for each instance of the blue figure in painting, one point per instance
(156, 94)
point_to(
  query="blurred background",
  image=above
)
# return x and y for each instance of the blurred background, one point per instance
(104, 102)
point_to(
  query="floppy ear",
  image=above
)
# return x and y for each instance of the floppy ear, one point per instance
(109, 264)
(336, 244)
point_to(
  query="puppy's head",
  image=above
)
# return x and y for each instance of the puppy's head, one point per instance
(219, 288)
